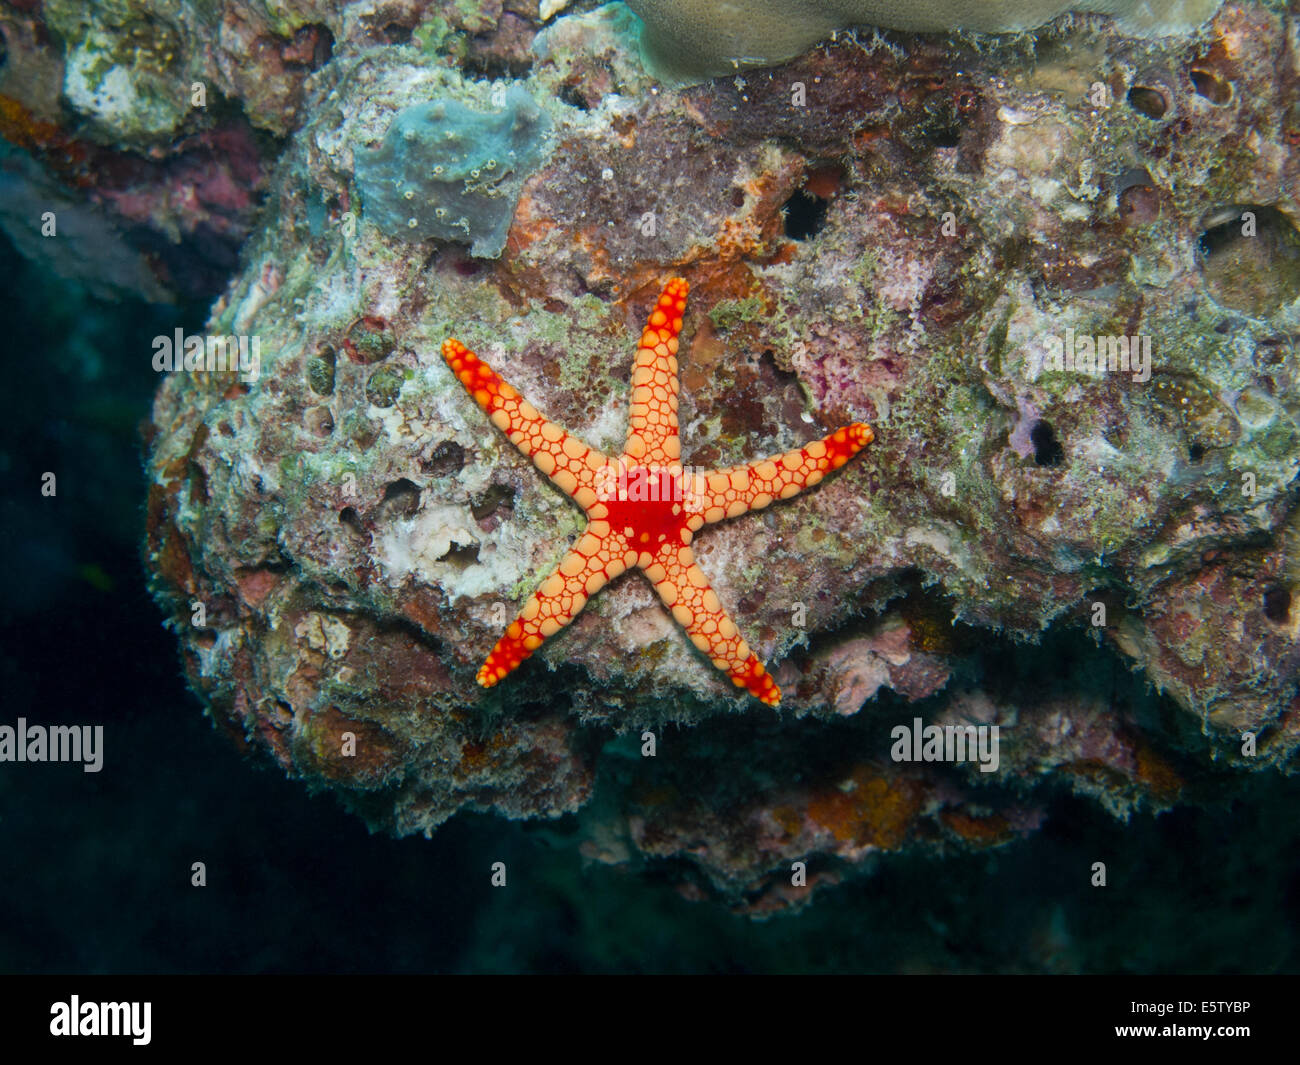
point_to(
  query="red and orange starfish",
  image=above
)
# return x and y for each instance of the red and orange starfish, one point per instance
(643, 508)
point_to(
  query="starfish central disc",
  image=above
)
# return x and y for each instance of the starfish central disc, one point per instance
(642, 508)
(647, 510)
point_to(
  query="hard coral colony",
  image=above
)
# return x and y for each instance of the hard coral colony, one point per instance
(689, 40)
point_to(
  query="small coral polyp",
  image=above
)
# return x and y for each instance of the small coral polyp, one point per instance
(651, 534)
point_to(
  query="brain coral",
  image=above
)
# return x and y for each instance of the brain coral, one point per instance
(447, 171)
(692, 39)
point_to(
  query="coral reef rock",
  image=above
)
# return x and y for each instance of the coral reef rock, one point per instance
(1057, 273)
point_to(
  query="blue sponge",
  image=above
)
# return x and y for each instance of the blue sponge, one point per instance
(446, 171)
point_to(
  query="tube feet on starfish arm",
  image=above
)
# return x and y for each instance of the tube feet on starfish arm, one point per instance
(651, 527)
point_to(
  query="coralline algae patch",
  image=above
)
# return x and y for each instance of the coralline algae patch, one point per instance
(900, 248)
(448, 171)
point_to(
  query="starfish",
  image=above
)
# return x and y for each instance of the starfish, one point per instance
(643, 507)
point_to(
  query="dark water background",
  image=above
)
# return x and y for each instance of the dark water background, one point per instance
(95, 868)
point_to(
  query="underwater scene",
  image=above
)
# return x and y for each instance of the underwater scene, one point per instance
(552, 486)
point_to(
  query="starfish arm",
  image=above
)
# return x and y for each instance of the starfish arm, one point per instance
(588, 567)
(685, 590)
(728, 493)
(569, 463)
(652, 416)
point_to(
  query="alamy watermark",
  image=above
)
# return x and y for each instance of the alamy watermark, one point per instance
(78, 1018)
(55, 743)
(214, 354)
(946, 743)
(643, 484)
(1098, 355)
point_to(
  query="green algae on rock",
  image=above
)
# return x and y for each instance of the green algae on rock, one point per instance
(688, 40)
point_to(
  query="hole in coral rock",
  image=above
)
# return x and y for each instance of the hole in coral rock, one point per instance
(945, 136)
(1277, 604)
(1196, 453)
(1210, 85)
(803, 215)
(494, 66)
(572, 95)
(1047, 449)
(351, 520)
(401, 499)
(324, 50)
(369, 340)
(446, 460)
(461, 556)
(1148, 101)
(786, 378)
(1250, 259)
(396, 33)
(321, 371)
(937, 119)
(498, 497)
(319, 421)
(310, 48)
(384, 386)
(1139, 204)
(1137, 198)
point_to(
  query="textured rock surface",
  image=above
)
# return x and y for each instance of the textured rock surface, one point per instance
(900, 234)
(162, 119)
